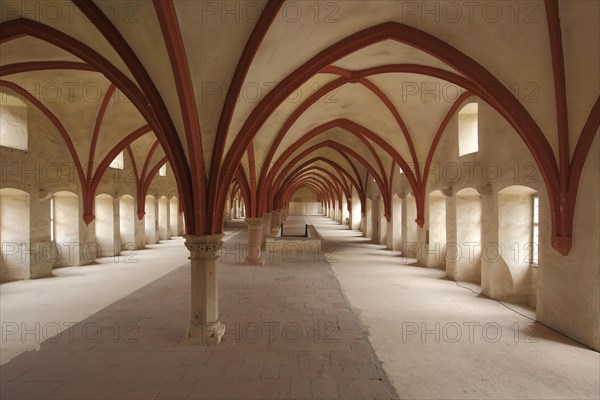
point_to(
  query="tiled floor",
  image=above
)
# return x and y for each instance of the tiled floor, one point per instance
(32, 310)
(290, 334)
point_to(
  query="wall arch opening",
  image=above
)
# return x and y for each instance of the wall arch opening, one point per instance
(66, 228)
(127, 219)
(106, 229)
(514, 277)
(13, 122)
(151, 222)
(436, 256)
(463, 259)
(173, 216)
(14, 234)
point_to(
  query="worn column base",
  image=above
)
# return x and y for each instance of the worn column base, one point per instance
(211, 333)
(253, 261)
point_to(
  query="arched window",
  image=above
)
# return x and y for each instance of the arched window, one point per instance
(467, 130)
(535, 230)
(163, 170)
(118, 162)
(13, 122)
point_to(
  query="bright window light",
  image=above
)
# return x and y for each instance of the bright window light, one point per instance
(118, 162)
(535, 234)
(468, 141)
(52, 228)
(163, 170)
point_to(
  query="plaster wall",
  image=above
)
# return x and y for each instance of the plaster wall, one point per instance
(163, 218)
(66, 228)
(173, 220)
(108, 244)
(127, 222)
(14, 234)
(396, 223)
(151, 221)
(569, 286)
(565, 290)
(356, 216)
(410, 244)
(435, 254)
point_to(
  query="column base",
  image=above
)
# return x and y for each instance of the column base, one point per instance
(211, 333)
(253, 261)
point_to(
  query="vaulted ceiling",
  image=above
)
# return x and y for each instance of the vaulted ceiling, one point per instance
(221, 83)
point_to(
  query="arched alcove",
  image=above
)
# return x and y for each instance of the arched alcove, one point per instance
(345, 213)
(106, 238)
(127, 219)
(14, 234)
(66, 228)
(514, 274)
(396, 222)
(163, 218)
(151, 222)
(356, 216)
(409, 242)
(463, 260)
(375, 220)
(13, 122)
(173, 213)
(383, 224)
(368, 220)
(436, 256)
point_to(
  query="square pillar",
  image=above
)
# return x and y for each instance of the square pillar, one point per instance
(39, 239)
(205, 326)
(139, 227)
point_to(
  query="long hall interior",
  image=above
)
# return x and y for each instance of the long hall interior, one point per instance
(299, 199)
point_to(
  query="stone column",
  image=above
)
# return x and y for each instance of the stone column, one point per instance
(276, 219)
(205, 326)
(168, 219)
(180, 230)
(116, 225)
(156, 220)
(266, 226)
(228, 208)
(140, 233)
(254, 254)
(39, 236)
(390, 233)
(404, 223)
(363, 224)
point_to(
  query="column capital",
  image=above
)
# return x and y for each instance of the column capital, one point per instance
(254, 223)
(204, 247)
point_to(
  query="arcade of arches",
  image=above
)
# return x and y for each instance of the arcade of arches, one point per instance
(438, 145)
